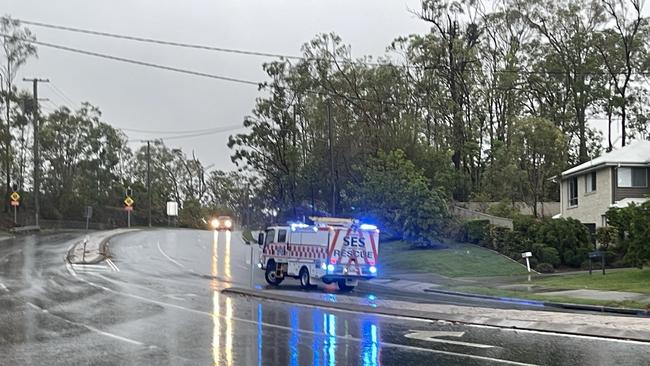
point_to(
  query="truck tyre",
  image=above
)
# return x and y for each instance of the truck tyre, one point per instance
(270, 275)
(305, 281)
(343, 287)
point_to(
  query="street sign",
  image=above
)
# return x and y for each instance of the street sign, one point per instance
(595, 254)
(128, 201)
(88, 212)
(15, 203)
(128, 208)
(15, 196)
(526, 255)
(172, 208)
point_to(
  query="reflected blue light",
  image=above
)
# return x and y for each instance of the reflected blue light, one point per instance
(330, 345)
(367, 227)
(293, 338)
(317, 319)
(259, 335)
(372, 297)
(330, 297)
(369, 343)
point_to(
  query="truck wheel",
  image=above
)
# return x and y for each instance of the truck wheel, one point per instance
(304, 278)
(343, 287)
(270, 275)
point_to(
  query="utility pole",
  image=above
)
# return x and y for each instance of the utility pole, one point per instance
(8, 132)
(149, 178)
(331, 143)
(37, 161)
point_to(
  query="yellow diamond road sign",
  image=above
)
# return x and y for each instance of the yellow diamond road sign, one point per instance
(129, 201)
(15, 196)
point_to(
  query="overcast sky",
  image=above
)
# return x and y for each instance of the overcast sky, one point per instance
(138, 97)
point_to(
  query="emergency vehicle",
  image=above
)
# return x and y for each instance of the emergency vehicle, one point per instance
(331, 250)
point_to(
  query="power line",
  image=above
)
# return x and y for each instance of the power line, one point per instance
(136, 62)
(188, 45)
(60, 92)
(190, 135)
(218, 129)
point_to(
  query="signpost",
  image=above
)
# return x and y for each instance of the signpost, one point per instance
(596, 255)
(527, 255)
(128, 207)
(15, 202)
(88, 213)
(172, 211)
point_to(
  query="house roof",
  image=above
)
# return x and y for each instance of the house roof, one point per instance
(628, 201)
(637, 152)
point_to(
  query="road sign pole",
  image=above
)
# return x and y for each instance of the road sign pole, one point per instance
(15, 215)
(252, 264)
(128, 218)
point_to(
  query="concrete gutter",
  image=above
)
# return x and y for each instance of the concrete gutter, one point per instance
(552, 304)
(24, 229)
(589, 325)
(93, 248)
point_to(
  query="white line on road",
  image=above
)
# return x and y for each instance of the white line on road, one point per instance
(305, 331)
(3, 287)
(432, 336)
(113, 266)
(91, 328)
(168, 257)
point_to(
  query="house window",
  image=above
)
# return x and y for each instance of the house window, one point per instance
(632, 177)
(573, 191)
(590, 182)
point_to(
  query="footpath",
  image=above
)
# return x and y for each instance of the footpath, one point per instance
(93, 248)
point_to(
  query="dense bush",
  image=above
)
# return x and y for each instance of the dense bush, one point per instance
(606, 236)
(474, 231)
(545, 268)
(567, 236)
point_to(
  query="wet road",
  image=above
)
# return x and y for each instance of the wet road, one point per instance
(160, 304)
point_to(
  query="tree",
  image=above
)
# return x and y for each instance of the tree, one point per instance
(540, 148)
(394, 191)
(17, 49)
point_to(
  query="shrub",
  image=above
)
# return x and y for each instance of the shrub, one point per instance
(606, 236)
(550, 255)
(502, 209)
(545, 268)
(475, 231)
(565, 235)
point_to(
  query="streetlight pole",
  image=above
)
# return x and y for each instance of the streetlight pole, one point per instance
(37, 161)
(149, 178)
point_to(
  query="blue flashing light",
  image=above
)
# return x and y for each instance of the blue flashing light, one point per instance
(367, 227)
(372, 297)
(373, 269)
(330, 268)
(298, 225)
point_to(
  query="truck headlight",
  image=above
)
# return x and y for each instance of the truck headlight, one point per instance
(228, 224)
(323, 266)
(330, 268)
(214, 223)
(373, 269)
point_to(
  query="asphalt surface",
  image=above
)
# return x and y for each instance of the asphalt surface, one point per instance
(158, 303)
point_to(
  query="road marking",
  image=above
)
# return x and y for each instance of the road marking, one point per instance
(91, 328)
(432, 336)
(2, 286)
(305, 331)
(168, 257)
(113, 266)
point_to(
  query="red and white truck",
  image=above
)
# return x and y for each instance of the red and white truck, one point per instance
(331, 250)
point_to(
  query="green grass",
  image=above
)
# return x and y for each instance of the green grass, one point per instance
(537, 296)
(633, 280)
(459, 260)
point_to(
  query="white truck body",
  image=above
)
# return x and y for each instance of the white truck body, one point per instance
(332, 250)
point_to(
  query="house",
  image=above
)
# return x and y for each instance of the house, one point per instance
(614, 179)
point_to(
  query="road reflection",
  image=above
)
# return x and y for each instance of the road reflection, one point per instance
(287, 335)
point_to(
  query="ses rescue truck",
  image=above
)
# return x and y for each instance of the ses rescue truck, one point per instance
(332, 250)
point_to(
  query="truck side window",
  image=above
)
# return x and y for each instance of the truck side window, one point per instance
(282, 236)
(270, 236)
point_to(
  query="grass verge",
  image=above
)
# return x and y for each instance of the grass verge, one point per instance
(632, 279)
(541, 297)
(459, 260)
